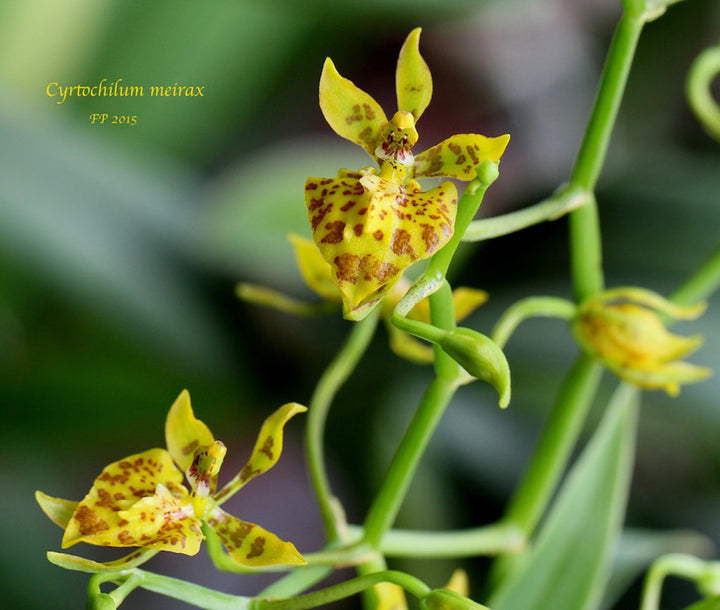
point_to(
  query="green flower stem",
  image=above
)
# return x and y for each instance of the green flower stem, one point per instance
(486, 540)
(565, 200)
(344, 590)
(676, 564)
(297, 581)
(332, 379)
(701, 284)
(554, 448)
(703, 71)
(585, 246)
(531, 307)
(387, 503)
(190, 593)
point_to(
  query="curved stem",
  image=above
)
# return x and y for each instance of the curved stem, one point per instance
(703, 71)
(702, 283)
(472, 542)
(531, 307)
(675, 564)
(564, 201)
(343, 590)
(332, 379)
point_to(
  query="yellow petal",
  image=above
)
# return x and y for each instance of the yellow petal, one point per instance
(352, 113)
(389, 596)
(459, 582)
(250, 544)
(459, 155)
(81, 564)
(314, 269)
(184, 433)
(668, 377)
(119, 487)
(370, 229)
(266, 452)
(412, 77)
(58, 510)
(161, 522)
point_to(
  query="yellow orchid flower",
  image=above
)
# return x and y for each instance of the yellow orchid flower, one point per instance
(371, 225)
(140, 501)
(317, 274)
(622, 328)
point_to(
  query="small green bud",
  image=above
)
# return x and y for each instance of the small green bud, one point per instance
(444, 599)
(101, 601)
(480, 357)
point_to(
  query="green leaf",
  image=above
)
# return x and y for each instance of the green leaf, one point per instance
(706, 604)
(568, 567)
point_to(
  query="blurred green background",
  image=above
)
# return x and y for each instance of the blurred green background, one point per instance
(120, 247)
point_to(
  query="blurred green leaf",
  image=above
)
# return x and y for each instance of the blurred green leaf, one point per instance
(568, 567)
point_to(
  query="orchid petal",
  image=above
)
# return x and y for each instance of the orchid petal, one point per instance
(370, 229)
(412, 78)
(266, 452)
(118, 488)
(352, 113)
(81, 564)
(184, 433)
(459, 155)
(58, 510)
(250, 544)
(314, 269)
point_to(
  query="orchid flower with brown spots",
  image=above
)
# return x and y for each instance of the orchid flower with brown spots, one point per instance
(140, 501)
(317, 274)
(370, 226)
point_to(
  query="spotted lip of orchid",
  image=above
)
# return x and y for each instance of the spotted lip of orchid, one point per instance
(623, 329)
(317, 274)
(141, 501)
(371, 225)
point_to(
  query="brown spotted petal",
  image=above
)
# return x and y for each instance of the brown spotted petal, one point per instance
(122, 484)
(250, 544)
(459, 155)
(369, 229)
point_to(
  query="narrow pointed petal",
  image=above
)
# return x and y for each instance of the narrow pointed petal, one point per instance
(465, 301)
(668, 377)
(412, 78)
(314, 269)
(120, 486)
(81, 564)
(250, 544)
(58, 510)
(459, 155)
(352, 113)
(184, 433)
(266, 452)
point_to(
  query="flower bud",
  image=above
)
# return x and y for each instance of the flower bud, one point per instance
(630, 338)
(480, 357)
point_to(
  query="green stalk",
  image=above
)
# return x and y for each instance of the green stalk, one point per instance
(701, 284)
(536, 488)
(387, 503)
(332, 379)
(585, 245)
(343, 590)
